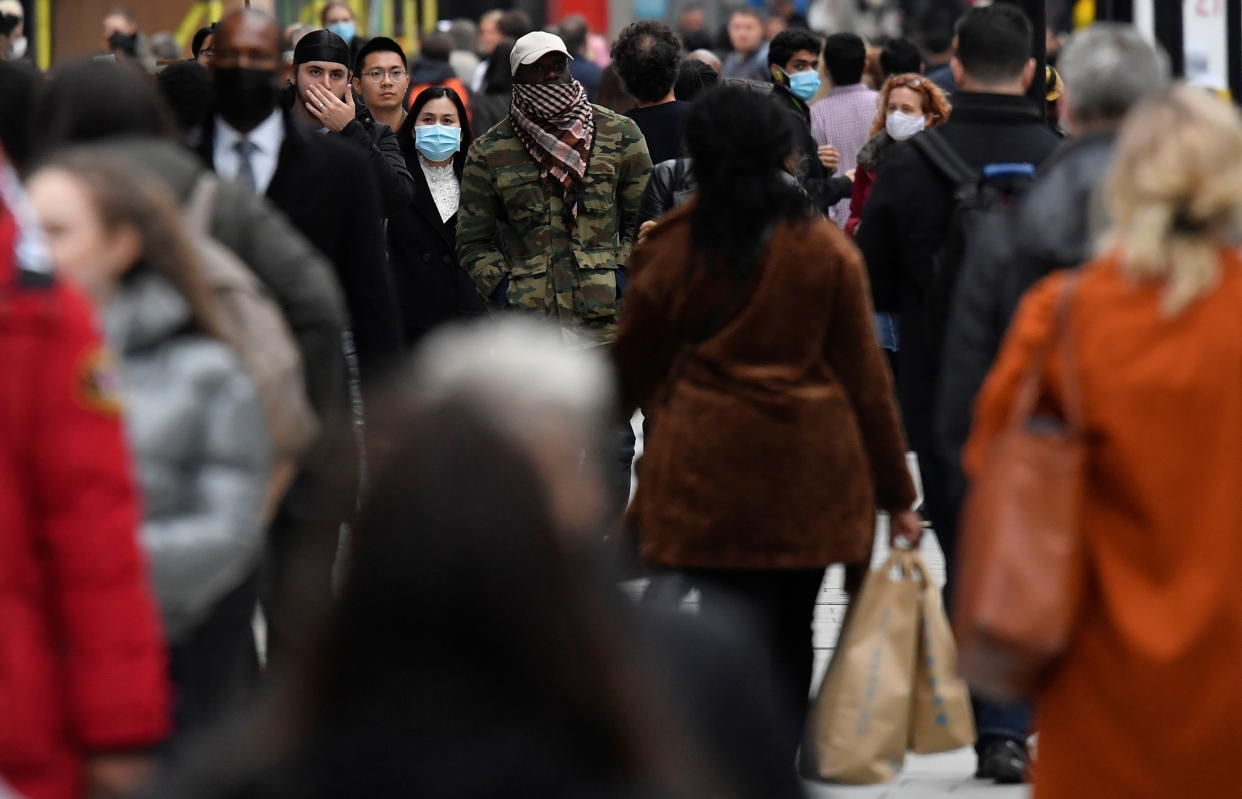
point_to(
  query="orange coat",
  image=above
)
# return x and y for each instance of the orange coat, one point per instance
(1147, 702)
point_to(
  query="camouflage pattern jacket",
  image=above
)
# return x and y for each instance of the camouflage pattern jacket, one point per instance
(510, 226)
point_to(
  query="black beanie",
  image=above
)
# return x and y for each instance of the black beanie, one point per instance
(321, 45)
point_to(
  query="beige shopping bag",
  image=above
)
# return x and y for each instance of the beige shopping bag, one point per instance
(860, 722)
(940, 719)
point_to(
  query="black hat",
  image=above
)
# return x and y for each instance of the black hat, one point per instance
(321, 45)
(378, 44)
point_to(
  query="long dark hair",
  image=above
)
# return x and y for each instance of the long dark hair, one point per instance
(406, 134)
(738, 140)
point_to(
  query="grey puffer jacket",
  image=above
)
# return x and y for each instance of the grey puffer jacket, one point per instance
(195, 425)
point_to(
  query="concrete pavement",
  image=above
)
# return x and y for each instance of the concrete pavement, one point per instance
(926, 777)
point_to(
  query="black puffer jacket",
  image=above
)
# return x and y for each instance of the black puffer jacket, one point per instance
(1054, 226)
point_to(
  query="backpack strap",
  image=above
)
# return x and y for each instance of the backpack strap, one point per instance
(948, 163)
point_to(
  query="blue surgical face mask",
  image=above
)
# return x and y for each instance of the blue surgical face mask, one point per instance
(347, 30)
(437, 142)
(804, 84)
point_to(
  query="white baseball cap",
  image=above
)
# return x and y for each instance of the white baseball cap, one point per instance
(533, 46)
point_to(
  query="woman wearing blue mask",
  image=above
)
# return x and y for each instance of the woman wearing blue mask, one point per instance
(422, 236)
(338, 17)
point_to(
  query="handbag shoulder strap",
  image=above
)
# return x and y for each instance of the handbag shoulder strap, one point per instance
(1061, 337)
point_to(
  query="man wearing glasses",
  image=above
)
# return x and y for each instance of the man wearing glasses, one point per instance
(380, 77)
(321, 97)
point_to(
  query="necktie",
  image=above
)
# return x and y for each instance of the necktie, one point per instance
(245, 169)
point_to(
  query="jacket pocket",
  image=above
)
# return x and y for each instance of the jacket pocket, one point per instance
(597, 297)
(528, 289)
(521, 193)
(597, 225)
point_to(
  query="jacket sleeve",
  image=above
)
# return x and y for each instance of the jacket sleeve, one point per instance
(879, 237)
(115, 668)
(477, 225)
(362, 268)
(973, 337)
(658, 196)
(858, 199)
(852, 352)
(387, 162)
(635, 169)
(299, 279)
(646, 343)
(1026, 338)
(200, 555)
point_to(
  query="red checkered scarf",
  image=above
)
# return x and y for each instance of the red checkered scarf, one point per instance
(556, 124)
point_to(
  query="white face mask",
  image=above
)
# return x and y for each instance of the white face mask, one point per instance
(19, 47)
(902, 126)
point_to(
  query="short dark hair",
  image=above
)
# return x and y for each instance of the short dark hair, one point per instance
(200, 36)
(693, 78)
(647, 54)
(436, 46)
(787, 42)
(186, 87)
(515, 24)
(573, 31)
(748, 11)
(900, 56)
(994, 42)
(377, 44)
(845, 58)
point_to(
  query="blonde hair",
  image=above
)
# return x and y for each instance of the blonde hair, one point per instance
(1175, 192)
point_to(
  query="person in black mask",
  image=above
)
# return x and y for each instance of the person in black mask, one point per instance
(325, 188)
(120, 33)
(320, 96)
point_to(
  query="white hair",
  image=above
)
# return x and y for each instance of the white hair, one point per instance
(519, 372)
(1109, 68)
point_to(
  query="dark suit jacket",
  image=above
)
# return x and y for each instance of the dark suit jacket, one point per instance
(431, 285)
(326, 189)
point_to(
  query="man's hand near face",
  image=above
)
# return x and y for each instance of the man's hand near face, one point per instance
(331, 111)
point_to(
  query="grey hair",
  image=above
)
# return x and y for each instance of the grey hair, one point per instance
(1108, 68)
(519, 373)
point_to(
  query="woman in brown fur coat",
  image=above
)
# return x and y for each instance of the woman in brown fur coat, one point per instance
(747, 337)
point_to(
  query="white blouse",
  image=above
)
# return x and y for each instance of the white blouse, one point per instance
(445, 189)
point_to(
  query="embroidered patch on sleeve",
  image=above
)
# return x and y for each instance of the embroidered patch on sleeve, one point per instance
(99, 386)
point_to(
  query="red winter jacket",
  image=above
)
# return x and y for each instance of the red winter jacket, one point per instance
(82, 659)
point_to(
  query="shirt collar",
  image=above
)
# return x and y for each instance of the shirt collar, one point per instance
(265, 137)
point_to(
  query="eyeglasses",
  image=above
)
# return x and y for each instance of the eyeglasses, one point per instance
(376, 75)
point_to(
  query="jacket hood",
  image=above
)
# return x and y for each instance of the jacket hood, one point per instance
(145, 312)
(1062, 216)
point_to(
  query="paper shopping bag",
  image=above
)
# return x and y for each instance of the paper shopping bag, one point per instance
(941, 719)
(860, 722)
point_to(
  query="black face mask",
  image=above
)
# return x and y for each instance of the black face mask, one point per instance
(126, 43)
(244, 96)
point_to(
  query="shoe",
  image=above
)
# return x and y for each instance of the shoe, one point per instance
(1003, 760)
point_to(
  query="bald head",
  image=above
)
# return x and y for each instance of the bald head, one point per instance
(249, 39)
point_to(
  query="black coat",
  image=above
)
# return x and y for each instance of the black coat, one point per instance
(326, 189)
(1053, 227)
(907, 219)
(431, 285)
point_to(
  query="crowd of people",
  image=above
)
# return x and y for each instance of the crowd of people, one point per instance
(317, 452)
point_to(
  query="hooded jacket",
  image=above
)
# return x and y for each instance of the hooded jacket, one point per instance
(195, 422)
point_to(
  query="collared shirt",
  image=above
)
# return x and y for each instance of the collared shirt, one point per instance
(843, 119)
(266, 138)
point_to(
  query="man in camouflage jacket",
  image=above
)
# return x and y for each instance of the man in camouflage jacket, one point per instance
(549, 199)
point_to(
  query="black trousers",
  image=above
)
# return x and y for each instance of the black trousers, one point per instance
(775, 608)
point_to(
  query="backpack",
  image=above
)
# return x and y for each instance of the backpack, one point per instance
(257, 331)
(982, 198)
